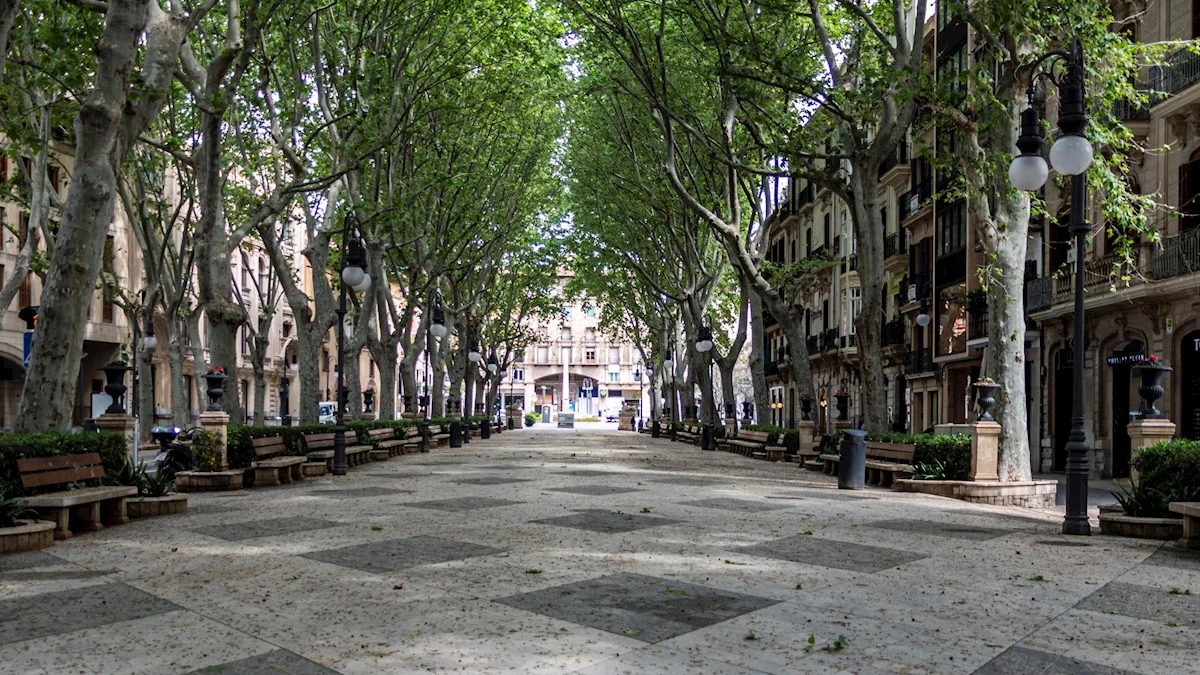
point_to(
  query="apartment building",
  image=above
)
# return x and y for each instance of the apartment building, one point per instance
(576, 367)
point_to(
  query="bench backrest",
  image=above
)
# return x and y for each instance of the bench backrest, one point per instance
(42, 471)
(412, 432)
(318, 442)
(892, 452)
(268, 446)
(753, 436)
(383, 434)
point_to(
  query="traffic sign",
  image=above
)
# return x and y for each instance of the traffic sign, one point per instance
(28, 342)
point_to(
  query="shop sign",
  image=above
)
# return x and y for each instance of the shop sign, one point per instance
(1124, 359)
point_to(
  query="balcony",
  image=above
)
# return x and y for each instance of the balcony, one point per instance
(896, 158)
(1179, 255)
(813, 343)
(829, 340)
(771, 369)
(918, 361)
(916, 198)
(895, 244)
(977, 324)
(915, 288)
(893, 333)
(848, 341)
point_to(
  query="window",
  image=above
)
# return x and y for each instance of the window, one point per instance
(262, 275)
(287, 329)
(520, 356)
(52, 178)
(543, 355)
(614, 376)
(325, 360)
(827, 231)
(590, 335)
(518, 375)
(614, 354)
(952, 228)
(245, 277)
(371, 369)
(110, 245)
(27, 290)
(566, 334)
(589, 353)
(245, 341)
(590, 311)
(855, 305)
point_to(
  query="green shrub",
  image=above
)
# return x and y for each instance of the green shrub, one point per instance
(1167, 472)
(774, 433)
(947, 456)
(791, 441)
(240, 450)
(206, 450)
(155, 484)
(530, 419)
(111, 447)
(11, 509)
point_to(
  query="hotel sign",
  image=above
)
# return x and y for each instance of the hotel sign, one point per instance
(1124, 359)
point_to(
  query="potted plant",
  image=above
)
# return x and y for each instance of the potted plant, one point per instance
(985, 398)
(214, 380)
(530, 419)
(20, 529)
(156, 496)
(1151, 369)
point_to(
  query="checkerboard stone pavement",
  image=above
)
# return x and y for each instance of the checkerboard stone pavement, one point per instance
(556, 551)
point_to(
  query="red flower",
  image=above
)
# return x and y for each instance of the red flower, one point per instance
(220, 369)
(1152, 358)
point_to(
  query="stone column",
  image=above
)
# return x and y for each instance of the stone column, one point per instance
(1144, 433)
(985, 451)
(122, 424)
(217, 422)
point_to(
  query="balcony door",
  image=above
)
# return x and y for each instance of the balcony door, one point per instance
(1189, 194)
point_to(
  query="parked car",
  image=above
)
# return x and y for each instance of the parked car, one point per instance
(326, 411)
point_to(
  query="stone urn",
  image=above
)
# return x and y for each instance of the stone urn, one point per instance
(806, 407)
(115, 387)
(214, 382)
(843, 405)
(985, 398)
(1151, 389)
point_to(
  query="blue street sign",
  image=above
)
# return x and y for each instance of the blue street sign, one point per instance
(28, 347)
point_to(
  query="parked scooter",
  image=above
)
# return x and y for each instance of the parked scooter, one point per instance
(175, 452)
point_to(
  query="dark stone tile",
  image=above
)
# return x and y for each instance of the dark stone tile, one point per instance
(953, 530)
(53, 575)
(397, 476)
(1144, 602)
(253, 529)
(440, 462)
(1024, 661)
(594, 490)
(277, 662)
(361, 492)
(586, 473)
(686, 480)
(832, 495)
(206, 509)
(608, 522)
(400, 554)
(841, 555)
(641, 607)
(1170, 556)
(61, 612)
(490, 480)
(504, 467)
(1015, 519)
(20, 561)
(728, 504)
(461, 503)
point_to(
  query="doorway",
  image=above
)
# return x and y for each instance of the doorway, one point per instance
(1063, 370)
(1189, 384)
(1121, 361)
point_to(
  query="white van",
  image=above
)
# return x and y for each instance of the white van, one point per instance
(326, 411)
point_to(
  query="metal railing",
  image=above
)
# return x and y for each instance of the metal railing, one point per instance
(893, 333)
(895, 244)
(977, 323)
(1178, 256)
(918, 361)
(895, 158)
(1039, 294)
(912, 200)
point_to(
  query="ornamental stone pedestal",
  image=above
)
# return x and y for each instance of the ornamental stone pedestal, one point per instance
(1144, 433)
(217, 422)
(985, 451)
(805, 429)
(122, 424)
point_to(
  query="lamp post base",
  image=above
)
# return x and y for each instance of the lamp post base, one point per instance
(456, 432)
(706, 438)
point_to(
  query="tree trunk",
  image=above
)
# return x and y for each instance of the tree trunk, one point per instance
(260, 394)
(437, 363)
(179, 390)
(48, 396)
(868, 236)
(758, 344)
(352, 379)
(385, 359)
(309, 345)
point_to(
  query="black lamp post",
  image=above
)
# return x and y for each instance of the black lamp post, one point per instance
(704, 345)
(493, 369)
(354, 276)
(1071, 156)
(150, 342)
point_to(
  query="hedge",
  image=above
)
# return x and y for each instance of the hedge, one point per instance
(113, 450)
(773, 432)
(944, 456)
(1168, 471)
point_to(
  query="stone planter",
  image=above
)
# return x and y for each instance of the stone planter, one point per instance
(209, 481)
(149, 507)
(1151, 388)
(985, 398)
(114, 375)
(1114, 522)
(27, 535)
(843, 406)
(214, 383)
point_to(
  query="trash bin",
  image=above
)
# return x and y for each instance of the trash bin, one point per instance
(852, 463)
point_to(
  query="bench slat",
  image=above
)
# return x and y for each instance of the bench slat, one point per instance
(71, 475)
(59, 462)
(267, 440)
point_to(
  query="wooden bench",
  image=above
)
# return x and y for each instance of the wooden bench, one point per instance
(411, 442)
(385, 444)
(92, 508)
(320, 449)
(749, 442)
(1191, 523)
(885, 462)
(688, 434)
(271, 465)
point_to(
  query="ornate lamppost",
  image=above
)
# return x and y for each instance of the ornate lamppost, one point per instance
(704, 345)
(354, 276)
(1071, 156)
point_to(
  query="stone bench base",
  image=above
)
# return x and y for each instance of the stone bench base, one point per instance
(1191, 523)
(280, 471)
(312, 469)
(380, 455)
(90, 508)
